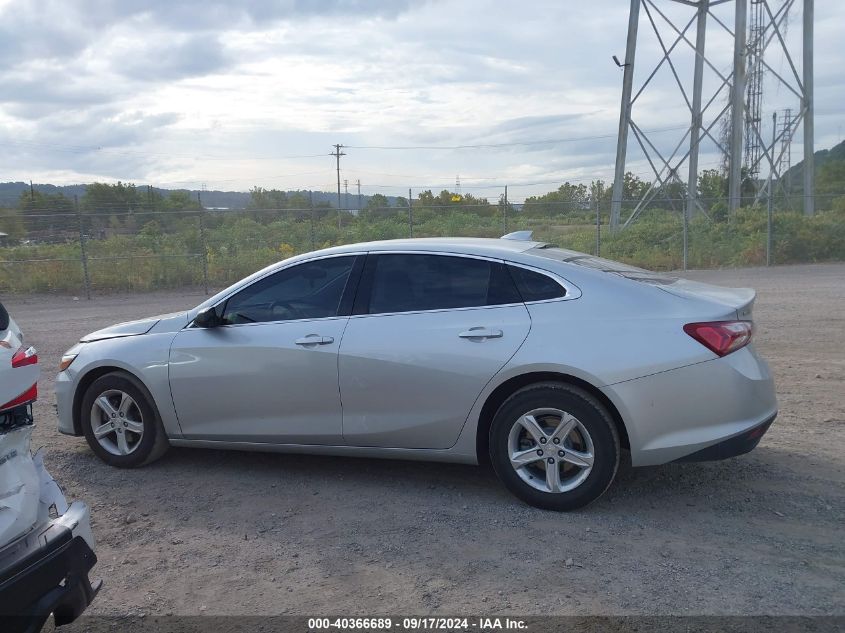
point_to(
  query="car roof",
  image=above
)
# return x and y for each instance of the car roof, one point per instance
(464, 245)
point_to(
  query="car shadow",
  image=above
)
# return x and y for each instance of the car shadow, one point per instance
(208, 478)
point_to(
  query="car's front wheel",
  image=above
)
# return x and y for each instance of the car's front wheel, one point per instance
(121, 423)
(554, 446)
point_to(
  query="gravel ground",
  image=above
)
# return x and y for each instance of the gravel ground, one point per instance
(215, 532)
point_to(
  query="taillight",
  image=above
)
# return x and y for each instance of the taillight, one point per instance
(24, 357)
(721, 337)
(30, 395)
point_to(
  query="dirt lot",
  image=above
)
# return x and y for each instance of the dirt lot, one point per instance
(213, 532)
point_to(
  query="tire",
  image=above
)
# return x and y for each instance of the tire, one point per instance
(135, 436)
(578, 435)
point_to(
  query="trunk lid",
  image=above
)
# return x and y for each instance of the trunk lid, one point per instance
(737, 300)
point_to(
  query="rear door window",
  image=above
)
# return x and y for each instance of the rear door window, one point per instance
(412, 283)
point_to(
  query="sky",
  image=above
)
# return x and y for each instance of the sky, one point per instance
(231, 95)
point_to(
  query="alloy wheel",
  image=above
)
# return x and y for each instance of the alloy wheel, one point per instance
(117, 422)
(550, 450)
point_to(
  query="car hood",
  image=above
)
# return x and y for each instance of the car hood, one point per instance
(135, 328)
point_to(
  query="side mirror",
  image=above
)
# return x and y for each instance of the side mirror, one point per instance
(208, 318)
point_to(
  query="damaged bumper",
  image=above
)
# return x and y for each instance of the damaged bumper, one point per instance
(46, 546)
(47, 572)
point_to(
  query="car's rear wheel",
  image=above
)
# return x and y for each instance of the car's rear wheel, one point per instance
(554, 446)
(121, 423)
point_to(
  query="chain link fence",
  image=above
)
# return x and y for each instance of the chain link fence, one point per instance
(110, 250)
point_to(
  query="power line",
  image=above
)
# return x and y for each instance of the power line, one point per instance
(512, 144)
(86, 149)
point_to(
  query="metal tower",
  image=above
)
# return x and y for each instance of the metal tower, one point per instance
(743, 86)
(754, 91)
(786, 128)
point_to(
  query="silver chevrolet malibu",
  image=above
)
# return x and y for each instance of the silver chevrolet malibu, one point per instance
(544, 361)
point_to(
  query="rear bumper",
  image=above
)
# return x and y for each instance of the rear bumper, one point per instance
(732, 447)
(46, 571)
(682, 412)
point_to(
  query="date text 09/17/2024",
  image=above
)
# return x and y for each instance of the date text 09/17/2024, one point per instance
(417, 624)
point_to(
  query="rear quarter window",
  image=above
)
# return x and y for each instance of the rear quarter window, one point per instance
(535, 286)
(4, 318)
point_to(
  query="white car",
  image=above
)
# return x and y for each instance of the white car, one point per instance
(46, 546)
(545, 361)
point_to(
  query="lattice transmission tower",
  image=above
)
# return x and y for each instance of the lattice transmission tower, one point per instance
(739, 80)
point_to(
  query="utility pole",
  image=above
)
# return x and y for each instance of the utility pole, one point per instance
(337, 154)
(203, 243)
(410, 216)
(505, 213)
(82, 252)
(32, 196)
(807, 69)
(770, 201)
(346, 193)
(311, 218)
(597, 193)
(359, 195)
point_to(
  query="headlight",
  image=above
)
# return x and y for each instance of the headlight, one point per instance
(67, 359)
(69, 356)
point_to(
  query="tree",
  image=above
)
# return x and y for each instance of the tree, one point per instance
(101, 197)
(568, 198)
(180, 201)
(11, 224)
(36, 209)
(262, 199)
(712, 187)
(830, 182)
(378, 206)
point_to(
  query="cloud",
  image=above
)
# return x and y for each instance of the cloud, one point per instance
(176, 57)
(193, 15)
(212, 90)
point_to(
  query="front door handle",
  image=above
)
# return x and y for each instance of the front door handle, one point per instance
(481, 332)
(314, 339)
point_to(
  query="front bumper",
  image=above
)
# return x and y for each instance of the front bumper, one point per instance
(46, 571)
(64, 389)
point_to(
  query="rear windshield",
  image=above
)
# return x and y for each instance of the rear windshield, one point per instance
(4, 318)
(604, 265)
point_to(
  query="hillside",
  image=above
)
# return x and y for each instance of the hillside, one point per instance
(795, 175)
(10, 193)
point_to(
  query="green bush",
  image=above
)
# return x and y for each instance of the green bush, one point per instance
(168, 252)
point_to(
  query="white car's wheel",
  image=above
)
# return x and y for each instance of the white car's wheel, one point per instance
(554, 446)
(121, 423)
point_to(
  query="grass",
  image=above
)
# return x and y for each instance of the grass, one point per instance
(168, 252)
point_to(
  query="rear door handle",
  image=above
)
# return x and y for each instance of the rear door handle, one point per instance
(481, 332)
(314, 339)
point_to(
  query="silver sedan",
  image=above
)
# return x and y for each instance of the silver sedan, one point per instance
(544, 361)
